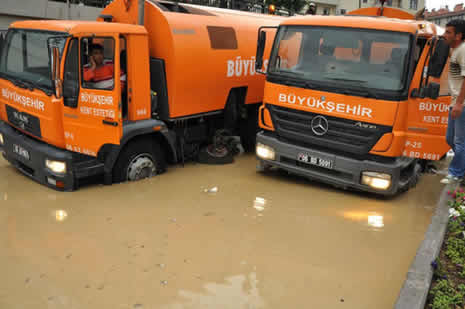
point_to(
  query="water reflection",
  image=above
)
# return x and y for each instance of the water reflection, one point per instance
(238, 291)
(259, 203)
(375, 221)
(60, 215)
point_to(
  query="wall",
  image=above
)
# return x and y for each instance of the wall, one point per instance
(12, 10)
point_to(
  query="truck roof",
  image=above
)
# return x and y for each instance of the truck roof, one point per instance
(74, 27)
(226, 12)
(365, 22)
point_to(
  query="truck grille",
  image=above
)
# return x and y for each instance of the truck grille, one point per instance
(342, 135)
(24, 121)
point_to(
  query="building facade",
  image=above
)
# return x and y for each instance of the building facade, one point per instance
(12, 10)
(341, 7)
(410, 6)
(442, 16)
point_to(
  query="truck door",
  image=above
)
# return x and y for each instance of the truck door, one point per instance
(428, 104)
(91, 112)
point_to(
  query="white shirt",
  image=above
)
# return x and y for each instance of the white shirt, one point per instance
(456, 71)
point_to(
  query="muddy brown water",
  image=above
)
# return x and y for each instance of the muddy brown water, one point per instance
(259, 241)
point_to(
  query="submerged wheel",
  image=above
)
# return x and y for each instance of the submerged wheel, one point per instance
(262, 167)
(139, 159)
(414, 179)
(141, 167)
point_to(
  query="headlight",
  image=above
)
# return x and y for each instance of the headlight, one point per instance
(379, 181)
(265, 152)
(2, 141)
(56, 166)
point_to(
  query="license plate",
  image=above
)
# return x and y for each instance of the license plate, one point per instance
(315, 160)
(21, 151)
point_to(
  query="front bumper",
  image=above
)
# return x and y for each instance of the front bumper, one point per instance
(346, 172)
(35, 168)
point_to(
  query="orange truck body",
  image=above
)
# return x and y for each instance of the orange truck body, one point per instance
(185, 66)
(346, 132)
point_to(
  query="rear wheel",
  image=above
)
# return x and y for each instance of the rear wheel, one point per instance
(139, 159)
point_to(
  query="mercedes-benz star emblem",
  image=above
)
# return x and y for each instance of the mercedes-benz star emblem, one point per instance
(319, 125)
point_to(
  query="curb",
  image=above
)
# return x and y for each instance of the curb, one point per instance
(416, 286)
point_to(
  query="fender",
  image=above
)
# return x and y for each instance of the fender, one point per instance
(130, 131)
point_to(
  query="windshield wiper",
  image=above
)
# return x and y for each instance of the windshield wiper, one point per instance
(17, 82)
(369, 93)
(348, 80)
(30, 85)
(363, 92)
(34, 85)
(294, 79)
(288, 80)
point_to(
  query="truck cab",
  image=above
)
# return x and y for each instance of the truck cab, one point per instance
(60, 125)
(355, 101)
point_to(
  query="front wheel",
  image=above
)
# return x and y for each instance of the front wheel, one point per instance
(139, 159)
(262, 167)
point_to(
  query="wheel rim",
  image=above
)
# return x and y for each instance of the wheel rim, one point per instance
(142, 166)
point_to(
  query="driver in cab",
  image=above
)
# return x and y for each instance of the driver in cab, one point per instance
(100, 72)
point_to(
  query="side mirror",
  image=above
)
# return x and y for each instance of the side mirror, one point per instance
(260, 50)
(438, 59)
(70, 92)
(55, 70)
(432, 91)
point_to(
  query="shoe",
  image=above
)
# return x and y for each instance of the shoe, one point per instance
(449, 179)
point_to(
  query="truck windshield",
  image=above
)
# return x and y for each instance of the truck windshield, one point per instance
(356, 60)
(25, 58)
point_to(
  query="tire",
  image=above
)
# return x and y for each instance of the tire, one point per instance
(413, 180)
(207, 156)
(416, 178)
(262, 167)
(139, 159)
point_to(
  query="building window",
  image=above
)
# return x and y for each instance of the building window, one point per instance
(325, 11)
(343, 11)
(365, 1)
(414, 4)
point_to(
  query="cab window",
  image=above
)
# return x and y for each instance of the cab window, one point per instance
(98, 69)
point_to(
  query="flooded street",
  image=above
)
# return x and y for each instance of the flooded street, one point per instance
(207, 237)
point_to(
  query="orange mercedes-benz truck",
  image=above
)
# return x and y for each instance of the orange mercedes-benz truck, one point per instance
(170, 77)
(356, 101)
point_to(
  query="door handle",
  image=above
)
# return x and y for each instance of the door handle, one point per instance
(110, 123)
